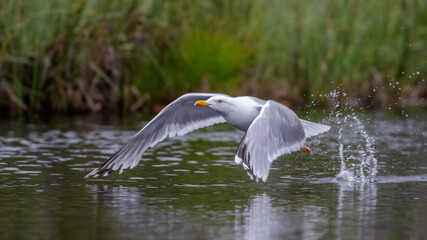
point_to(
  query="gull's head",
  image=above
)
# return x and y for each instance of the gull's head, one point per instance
(219, 103)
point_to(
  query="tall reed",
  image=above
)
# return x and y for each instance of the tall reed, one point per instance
(108, 55)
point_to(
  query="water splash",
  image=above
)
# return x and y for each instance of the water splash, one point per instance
(356, 151)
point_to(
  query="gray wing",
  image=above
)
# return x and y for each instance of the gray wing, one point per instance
(176, 119)
(275, 131)
(257, 100)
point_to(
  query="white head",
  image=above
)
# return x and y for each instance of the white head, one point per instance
(219, 103)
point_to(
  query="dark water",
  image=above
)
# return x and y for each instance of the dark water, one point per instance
(190, 188)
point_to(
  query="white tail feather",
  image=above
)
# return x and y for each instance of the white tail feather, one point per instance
(312, 129)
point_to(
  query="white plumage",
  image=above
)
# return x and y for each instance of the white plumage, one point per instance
(272, 130)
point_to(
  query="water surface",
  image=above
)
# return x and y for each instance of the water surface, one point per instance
(366, 179)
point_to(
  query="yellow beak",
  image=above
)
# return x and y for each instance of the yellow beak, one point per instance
(201, 104)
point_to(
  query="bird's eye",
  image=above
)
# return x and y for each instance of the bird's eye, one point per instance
(220, 101)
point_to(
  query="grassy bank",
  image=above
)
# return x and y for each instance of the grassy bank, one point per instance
(103, 55)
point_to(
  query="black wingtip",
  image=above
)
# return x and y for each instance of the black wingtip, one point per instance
(100, 172)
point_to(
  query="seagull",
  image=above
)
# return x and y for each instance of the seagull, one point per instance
(271, 130)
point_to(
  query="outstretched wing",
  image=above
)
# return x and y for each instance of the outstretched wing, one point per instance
(177, 118)
(275, 131)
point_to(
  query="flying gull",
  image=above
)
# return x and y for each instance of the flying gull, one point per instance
(271, 130)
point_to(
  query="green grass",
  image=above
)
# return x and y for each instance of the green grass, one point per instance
(202, 55)
(105, 55)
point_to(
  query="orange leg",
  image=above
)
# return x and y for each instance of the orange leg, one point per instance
(306, 149)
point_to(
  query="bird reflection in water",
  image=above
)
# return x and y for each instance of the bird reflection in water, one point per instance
(352, 215)
(264, 217)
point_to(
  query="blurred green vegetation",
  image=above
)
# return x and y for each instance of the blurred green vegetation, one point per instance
(105, 55)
